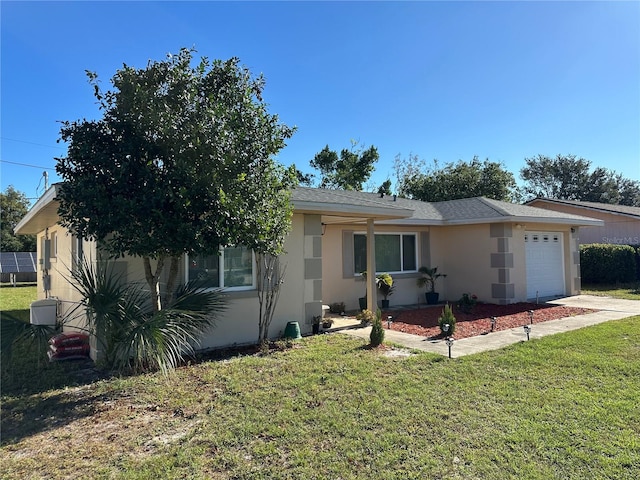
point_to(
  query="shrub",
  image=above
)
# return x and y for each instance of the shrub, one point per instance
(366, 316)
(337, 307)
(447, 318)
(377, 332)
(603, 263)
(467, 302)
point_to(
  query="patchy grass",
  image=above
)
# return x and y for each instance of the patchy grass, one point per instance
(628, 291)
(563, 407)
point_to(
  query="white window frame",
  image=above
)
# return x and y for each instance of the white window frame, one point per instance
(254, 276)
(416, 237)
(54, 244)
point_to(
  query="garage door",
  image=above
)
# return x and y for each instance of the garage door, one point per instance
(545, 264)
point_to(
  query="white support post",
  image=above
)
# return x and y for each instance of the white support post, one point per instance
(371, 266)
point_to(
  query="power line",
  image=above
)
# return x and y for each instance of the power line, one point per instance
(27, 165)
(32, 143)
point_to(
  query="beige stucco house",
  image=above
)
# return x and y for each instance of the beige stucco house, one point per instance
(621, 223)
(503, 253)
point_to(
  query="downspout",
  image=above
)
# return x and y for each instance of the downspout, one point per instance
(371, 267)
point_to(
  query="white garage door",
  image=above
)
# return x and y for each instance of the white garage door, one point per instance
(545, 264)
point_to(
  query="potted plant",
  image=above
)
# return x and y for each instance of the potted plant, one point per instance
(327, 322)
(362, 301)
(316, 324)
(428, 281)
(384, 282)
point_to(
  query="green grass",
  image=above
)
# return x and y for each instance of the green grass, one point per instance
(16, 300)
(628, 291)
(563, 407)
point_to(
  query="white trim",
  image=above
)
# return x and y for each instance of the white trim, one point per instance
(254, 275)
(397, 272)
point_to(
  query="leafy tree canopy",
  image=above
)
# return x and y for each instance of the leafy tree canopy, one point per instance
(385, 187)
(180, 162)
(349, 170)
(455, 180)
(567, 177)
(13, 206)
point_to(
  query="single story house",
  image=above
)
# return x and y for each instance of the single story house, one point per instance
(621, 223)
(504, 253)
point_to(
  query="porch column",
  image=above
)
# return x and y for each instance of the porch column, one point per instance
(371, 267)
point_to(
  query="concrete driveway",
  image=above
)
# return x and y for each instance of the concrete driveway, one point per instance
(600, 303)
(610, 309)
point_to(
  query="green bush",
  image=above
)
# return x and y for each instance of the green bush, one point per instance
(337, 307)
(377, 332)
(447, 318)
(604, 263)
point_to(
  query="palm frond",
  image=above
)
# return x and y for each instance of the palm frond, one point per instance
(133, 335)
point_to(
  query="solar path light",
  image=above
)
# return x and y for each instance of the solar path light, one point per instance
(449, 344)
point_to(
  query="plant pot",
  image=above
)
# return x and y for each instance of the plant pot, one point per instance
(385, 303)
(363, 303)
(316, 328)
(431, 297)
(326, 325)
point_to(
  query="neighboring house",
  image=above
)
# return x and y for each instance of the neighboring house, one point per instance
(503, 253)
(621, 223)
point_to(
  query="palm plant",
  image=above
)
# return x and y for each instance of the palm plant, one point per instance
(429, 277)
(384, 281)
(15, 331)
(128, 330)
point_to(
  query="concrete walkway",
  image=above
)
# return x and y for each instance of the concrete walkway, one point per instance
(610, 309)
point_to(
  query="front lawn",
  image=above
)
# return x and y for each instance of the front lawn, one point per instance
(16, 300)
(628, 291)
(563, 407)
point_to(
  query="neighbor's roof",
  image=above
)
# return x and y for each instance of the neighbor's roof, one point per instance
(453, 212)
(600, 207)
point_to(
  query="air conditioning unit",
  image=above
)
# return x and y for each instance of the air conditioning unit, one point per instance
(44, 312)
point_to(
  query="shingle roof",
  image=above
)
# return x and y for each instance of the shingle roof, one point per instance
(462, 211)
(603, 207)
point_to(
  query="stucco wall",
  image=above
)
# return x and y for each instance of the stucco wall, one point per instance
(338, 287)
(463, 254)
(59, 274)
(617, 229)
(486, 260)
(239, 325)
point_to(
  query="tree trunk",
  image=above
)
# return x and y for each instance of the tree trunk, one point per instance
(152, 280)
(174, 268)
(270, 278)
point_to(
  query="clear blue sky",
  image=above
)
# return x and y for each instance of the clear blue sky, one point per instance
(446, 81)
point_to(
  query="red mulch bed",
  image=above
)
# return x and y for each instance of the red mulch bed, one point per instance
(424, 321)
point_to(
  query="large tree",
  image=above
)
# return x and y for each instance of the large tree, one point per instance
(348, 171)
(567, 177)
(13, 206)
(419, 181)
(181, 162)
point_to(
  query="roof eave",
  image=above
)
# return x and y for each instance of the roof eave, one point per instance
(342, 209)
(513, 219)
(44, 213)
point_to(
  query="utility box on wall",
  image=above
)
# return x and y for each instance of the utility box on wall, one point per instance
(44, 312)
